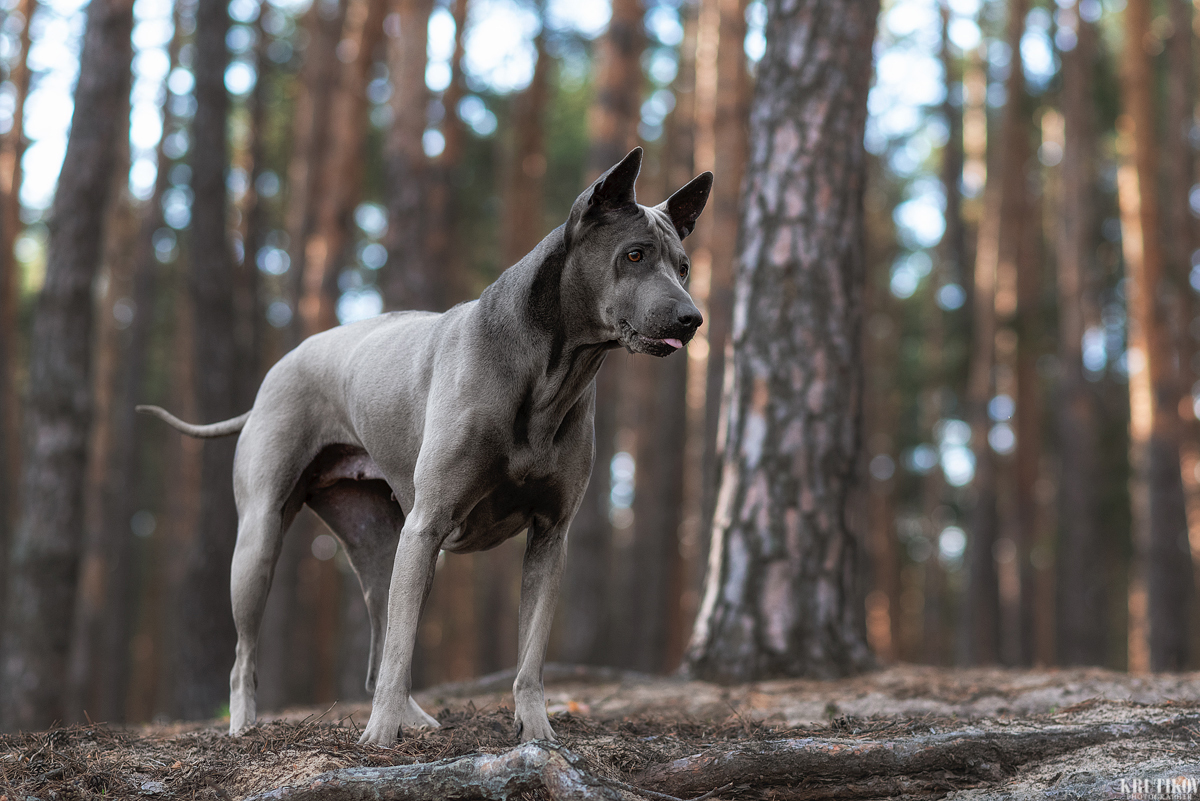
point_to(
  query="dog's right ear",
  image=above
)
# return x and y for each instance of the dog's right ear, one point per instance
(614, 188)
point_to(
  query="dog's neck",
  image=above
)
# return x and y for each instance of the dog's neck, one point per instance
(532, 308)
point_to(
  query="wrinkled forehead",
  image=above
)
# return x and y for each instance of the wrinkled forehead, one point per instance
(658, 222)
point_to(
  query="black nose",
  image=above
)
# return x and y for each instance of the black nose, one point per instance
(690, 317)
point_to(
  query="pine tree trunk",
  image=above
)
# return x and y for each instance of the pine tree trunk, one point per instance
(203, 601)
(612, 128)
(730, 145)
(408, 280)
(1028, 424)
(98, 554)
(441, 233)
(326, 250)
(996, 259)
(12, 147)
(782, 594)
(249, 310)
(44, 558)
(1082, 604)
(1162, 571)
(310, 140)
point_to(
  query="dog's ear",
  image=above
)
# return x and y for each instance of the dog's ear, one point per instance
(684, 206)
(614, 188)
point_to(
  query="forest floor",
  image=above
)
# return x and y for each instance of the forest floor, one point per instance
(903, 732)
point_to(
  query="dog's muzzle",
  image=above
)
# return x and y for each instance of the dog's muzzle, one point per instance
(637, 342)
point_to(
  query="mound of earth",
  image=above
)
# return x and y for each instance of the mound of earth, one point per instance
(905, 732)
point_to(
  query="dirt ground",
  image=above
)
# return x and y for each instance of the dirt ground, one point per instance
(626, 726)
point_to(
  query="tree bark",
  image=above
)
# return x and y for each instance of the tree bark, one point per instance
(729, 147)
(1082, 604)
(409, 279)
(1162, 573)
(441, 232)
(325, 250)
(249, 310)
(98, 553)
(203, 602)
(318, 81)
(996, 259)
(44, 558)
(612, 127)
(524, 225)
(782, 595)
(1179, 237)
(12, 148)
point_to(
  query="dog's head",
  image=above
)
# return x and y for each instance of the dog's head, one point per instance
(632, 260)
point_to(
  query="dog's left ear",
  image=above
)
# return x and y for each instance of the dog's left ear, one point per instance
(684, 206)
(614, 188)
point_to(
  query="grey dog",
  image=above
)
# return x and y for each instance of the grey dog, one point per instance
(415, 432)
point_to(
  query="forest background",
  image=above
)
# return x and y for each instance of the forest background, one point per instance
(1029, 456)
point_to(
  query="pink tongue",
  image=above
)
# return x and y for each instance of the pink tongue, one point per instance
(674, 343)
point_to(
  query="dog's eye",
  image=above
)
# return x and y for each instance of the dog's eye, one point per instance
(634, 255)
(683, 270)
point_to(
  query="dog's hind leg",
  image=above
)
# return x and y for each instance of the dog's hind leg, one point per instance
(368, 522)
(260, 537)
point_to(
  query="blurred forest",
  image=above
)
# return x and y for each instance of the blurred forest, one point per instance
(252, 173)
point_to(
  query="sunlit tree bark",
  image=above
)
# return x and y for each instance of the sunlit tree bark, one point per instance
(44, 557)
(782, 595)
(728, 148)
(1161, 586)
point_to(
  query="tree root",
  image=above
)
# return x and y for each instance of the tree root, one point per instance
(793, 768)
(803, 768)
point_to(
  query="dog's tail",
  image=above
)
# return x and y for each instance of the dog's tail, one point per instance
(222, 429)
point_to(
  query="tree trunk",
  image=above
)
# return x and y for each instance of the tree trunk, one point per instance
(84, 667)
(524, 225)
(100, 662)
(203, 602)
(441, 233)
(729, 149)
(1162, 577)
(1179, 236)
(12, 148)
(1082, 605)
(1028, 423)
(612, 128)
(782, 594)
(409, 279)
(995, 300)
(44, 558)
(342, 164)
(310, 140)
(248, 305)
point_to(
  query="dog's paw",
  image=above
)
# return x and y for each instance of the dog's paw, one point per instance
(535, 729)
(382, 736)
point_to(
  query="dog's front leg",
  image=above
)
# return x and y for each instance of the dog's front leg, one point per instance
(412, 576)
(541, 574)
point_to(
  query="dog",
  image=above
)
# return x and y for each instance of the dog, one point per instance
(414, 432)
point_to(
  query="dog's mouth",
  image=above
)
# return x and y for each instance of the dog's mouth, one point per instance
(636, 342)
